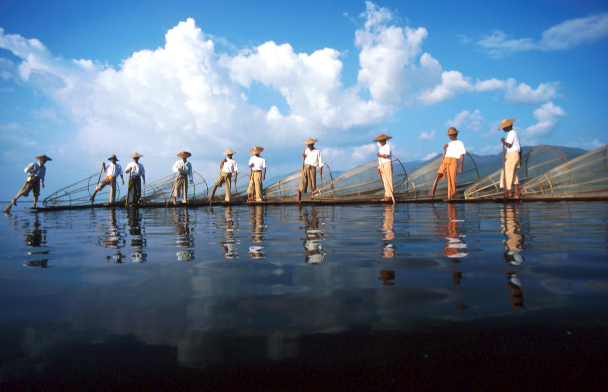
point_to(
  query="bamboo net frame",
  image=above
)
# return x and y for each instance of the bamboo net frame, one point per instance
(584, 176)
(539, 160)
(420, 182)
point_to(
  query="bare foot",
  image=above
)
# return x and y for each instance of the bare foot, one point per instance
(386, 199)
(14, 202)
(174, 202)
(432, 194)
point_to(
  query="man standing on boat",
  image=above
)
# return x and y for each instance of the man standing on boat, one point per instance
(452, 151)
(35, 179)
(136, 173)
(258, 173)
(385, 166)
(312, 159)
(183, 168)
(228, 167)
(112, 171)
(513, 159)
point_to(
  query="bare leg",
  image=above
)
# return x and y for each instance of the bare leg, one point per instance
(299, 196)
(516, 191)
(212, 193)
(35, 201)
(434, 185)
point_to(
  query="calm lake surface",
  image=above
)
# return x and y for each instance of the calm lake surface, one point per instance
(371, 296)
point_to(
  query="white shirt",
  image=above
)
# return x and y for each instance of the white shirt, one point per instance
(313, 157)
(113, 170)
(258, 163)
(40, 173)
(137, 169)
(455, 149)
(230, 166)
(183, 168)
(386, 150)
(513, 140)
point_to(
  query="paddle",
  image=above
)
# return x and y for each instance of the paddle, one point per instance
(504, 175)
(172, 190)
(128, 186)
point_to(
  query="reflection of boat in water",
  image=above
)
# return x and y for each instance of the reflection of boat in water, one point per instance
(540, 179)
(539, 160)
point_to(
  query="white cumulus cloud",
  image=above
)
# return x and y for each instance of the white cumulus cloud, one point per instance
(565, 35)
(524, 95)
(469, 120)
(547, 120)
(424, 136)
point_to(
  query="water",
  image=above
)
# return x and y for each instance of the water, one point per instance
(371, 294)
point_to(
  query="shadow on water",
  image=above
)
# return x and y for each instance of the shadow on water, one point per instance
(285, 297)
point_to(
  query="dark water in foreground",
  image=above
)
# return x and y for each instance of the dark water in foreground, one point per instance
(467, 296)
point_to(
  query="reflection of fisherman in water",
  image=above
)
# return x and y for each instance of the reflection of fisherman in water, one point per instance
(258, 230)
(138, 240)
(312, 243)
(37, 236)
(516, 295)
(116, 257)
(387, 277)
(388, 220)
(113, 237)
(230, 234)
(181, 220)
(455, 247)
(514, 240)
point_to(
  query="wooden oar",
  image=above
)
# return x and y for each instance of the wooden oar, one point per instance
(128, 186)
(444, 151)
(172, 190)
(504, 175)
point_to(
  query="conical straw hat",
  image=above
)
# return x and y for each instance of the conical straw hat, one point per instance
(382, 137)
(229, 152)
(113, 157)
(43, 158)
(506, 123)
(136, 155)
(310, 141)
(184, 154)
(256, 150)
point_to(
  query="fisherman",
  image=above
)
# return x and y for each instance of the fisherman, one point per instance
(228, 167)
(312, 159)
(513, 158)
(112, 171)
(136, 173)
(452, 151)
(35, 179)
(385, 166)
(258, 173)
(183, 168)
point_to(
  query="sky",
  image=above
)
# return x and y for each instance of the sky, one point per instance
(80, 81)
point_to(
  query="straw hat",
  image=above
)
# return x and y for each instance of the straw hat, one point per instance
(382, 137)
(310, 141)
(136, 155)
(43, 158)
(229, 152)
(506, 123)
(113, 157)
(256, 150)
(184, 154)
(452, 131)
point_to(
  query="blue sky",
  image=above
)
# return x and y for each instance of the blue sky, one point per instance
(80, 81)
